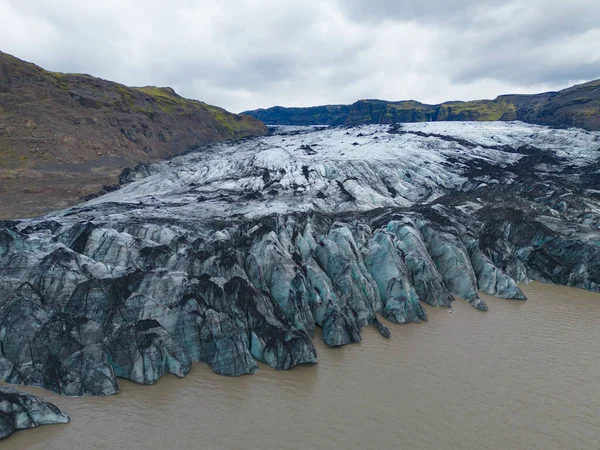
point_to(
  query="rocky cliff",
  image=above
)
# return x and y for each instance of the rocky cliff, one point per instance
(578, 106)
(64, 136)
(234, 255)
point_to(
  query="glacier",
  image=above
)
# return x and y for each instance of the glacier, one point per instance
(20, 411)
(232, 254)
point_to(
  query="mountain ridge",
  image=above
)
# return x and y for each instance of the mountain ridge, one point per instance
(64, 136)
(576, 106)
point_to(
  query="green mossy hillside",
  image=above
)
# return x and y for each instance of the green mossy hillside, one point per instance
(60, 131)
(578, 106)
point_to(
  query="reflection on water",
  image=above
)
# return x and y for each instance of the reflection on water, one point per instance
(524, 375)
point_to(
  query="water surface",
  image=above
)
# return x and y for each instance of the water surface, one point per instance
(523, 375)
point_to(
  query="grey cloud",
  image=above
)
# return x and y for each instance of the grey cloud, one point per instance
(546, 42)
(425, 11)
(244, 54)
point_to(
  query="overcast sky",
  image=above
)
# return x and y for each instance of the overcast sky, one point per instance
(246, 54)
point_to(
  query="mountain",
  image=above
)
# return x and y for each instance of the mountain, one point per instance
(578, 106)
(235, 255)
(64, 136)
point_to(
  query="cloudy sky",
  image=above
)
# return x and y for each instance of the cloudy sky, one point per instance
(246, 54)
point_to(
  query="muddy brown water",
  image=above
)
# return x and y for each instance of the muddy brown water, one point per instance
(525, 375)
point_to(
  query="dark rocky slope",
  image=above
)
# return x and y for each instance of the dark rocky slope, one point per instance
(19, 411)
(64, 136)
(235, 255)
(578, 106)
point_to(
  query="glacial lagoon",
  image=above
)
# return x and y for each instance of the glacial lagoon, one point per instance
(523, 375)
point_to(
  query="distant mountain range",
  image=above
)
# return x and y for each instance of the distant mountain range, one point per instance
(577, 106)
(64, 136)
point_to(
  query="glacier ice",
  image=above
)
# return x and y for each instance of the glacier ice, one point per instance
(19, 411)
(233, 254)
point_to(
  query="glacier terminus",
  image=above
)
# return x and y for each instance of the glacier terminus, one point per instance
(235, 252)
